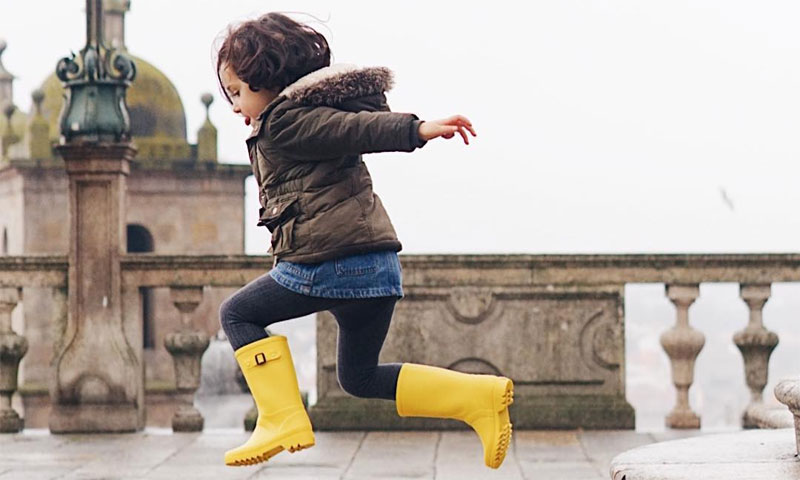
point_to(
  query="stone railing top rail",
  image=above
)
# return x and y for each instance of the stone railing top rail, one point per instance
(34, 271)
(445, 270)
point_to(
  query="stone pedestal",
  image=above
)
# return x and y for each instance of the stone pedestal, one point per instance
(97, 384)
(563, 348)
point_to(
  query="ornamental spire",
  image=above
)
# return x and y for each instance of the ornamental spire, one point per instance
(95, 82)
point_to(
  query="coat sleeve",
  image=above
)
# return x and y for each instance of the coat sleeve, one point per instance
(321, 133)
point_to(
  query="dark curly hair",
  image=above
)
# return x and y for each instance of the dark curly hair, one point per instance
(272, 52)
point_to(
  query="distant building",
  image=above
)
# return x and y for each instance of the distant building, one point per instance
(180, 201)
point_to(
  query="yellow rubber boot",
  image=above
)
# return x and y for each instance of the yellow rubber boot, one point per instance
(479, 400)
(283, 423)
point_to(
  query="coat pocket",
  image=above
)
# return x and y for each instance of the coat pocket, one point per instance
(276, 213)
(283, 238)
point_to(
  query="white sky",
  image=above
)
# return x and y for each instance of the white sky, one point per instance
(603, 127)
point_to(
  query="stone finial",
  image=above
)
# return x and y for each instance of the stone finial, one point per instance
(8, 110)
(6, 79)
(37, 139)
(207, 135)
(8, 137)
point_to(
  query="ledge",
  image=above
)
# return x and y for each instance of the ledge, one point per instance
(767, 454)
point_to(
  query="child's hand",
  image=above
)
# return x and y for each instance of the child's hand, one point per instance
(446, 128)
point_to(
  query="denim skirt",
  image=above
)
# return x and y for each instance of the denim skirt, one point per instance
(365, 275)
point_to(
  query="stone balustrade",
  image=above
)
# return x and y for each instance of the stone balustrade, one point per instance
(553, 323)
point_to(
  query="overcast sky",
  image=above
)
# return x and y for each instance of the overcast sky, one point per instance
(603, 127)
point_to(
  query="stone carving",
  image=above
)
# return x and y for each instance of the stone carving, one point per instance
(471, 305)
(598, 340)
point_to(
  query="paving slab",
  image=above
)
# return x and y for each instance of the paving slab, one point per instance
(602, 446)
(553, 454)
(458, 455)
(394, 455)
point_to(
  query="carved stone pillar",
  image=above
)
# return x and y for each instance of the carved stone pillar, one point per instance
(186, 347)
(756, 344)
(12, 348)
(682, 344)
(788, 393)
(98, 380)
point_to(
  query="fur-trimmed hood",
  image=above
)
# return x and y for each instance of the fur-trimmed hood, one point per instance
(333, 85)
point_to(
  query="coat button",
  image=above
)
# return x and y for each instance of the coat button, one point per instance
(274, 210)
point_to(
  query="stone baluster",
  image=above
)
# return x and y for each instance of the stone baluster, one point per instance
(788, 393)
(12, 348)
(756, 344)
(186, 347)
(682, 344)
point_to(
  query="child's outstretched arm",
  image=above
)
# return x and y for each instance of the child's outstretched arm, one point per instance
(320, 133)
(447, 128)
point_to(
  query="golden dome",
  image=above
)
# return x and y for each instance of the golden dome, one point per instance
(158, 120)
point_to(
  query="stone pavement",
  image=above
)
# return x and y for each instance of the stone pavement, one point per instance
(160, 454)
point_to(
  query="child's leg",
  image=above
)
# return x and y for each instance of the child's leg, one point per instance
(363, 325)
(419, 390)
(266, 363)
(262, 302)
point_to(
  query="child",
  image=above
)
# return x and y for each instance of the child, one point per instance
(333, 244)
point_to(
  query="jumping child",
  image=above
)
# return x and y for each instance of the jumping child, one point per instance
(333, 245)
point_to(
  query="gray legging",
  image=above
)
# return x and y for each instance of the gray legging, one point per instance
(363, 323)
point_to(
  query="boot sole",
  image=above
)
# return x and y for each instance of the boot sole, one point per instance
(293, 443)
(503, 398)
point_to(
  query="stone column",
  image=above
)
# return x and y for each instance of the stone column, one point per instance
(682, 344)
(186, 347)
(756, 344)
(788, 393)
(12, 348)
(97, 385)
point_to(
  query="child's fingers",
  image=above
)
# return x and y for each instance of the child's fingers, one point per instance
(463, 135)
(462, 121)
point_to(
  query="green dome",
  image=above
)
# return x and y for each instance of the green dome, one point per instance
(158, 121)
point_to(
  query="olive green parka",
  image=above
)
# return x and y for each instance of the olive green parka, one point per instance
(305, 149)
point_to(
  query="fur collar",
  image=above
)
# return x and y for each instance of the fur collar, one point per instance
(339, 82)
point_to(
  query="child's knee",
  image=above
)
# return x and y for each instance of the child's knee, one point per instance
(227, 311)
(354, 384)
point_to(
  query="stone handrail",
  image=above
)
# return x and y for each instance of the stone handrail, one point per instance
(502, 276)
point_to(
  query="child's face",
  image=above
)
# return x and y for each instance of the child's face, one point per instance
(246, 102)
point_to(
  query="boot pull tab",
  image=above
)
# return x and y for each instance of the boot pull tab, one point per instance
(261, 358)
